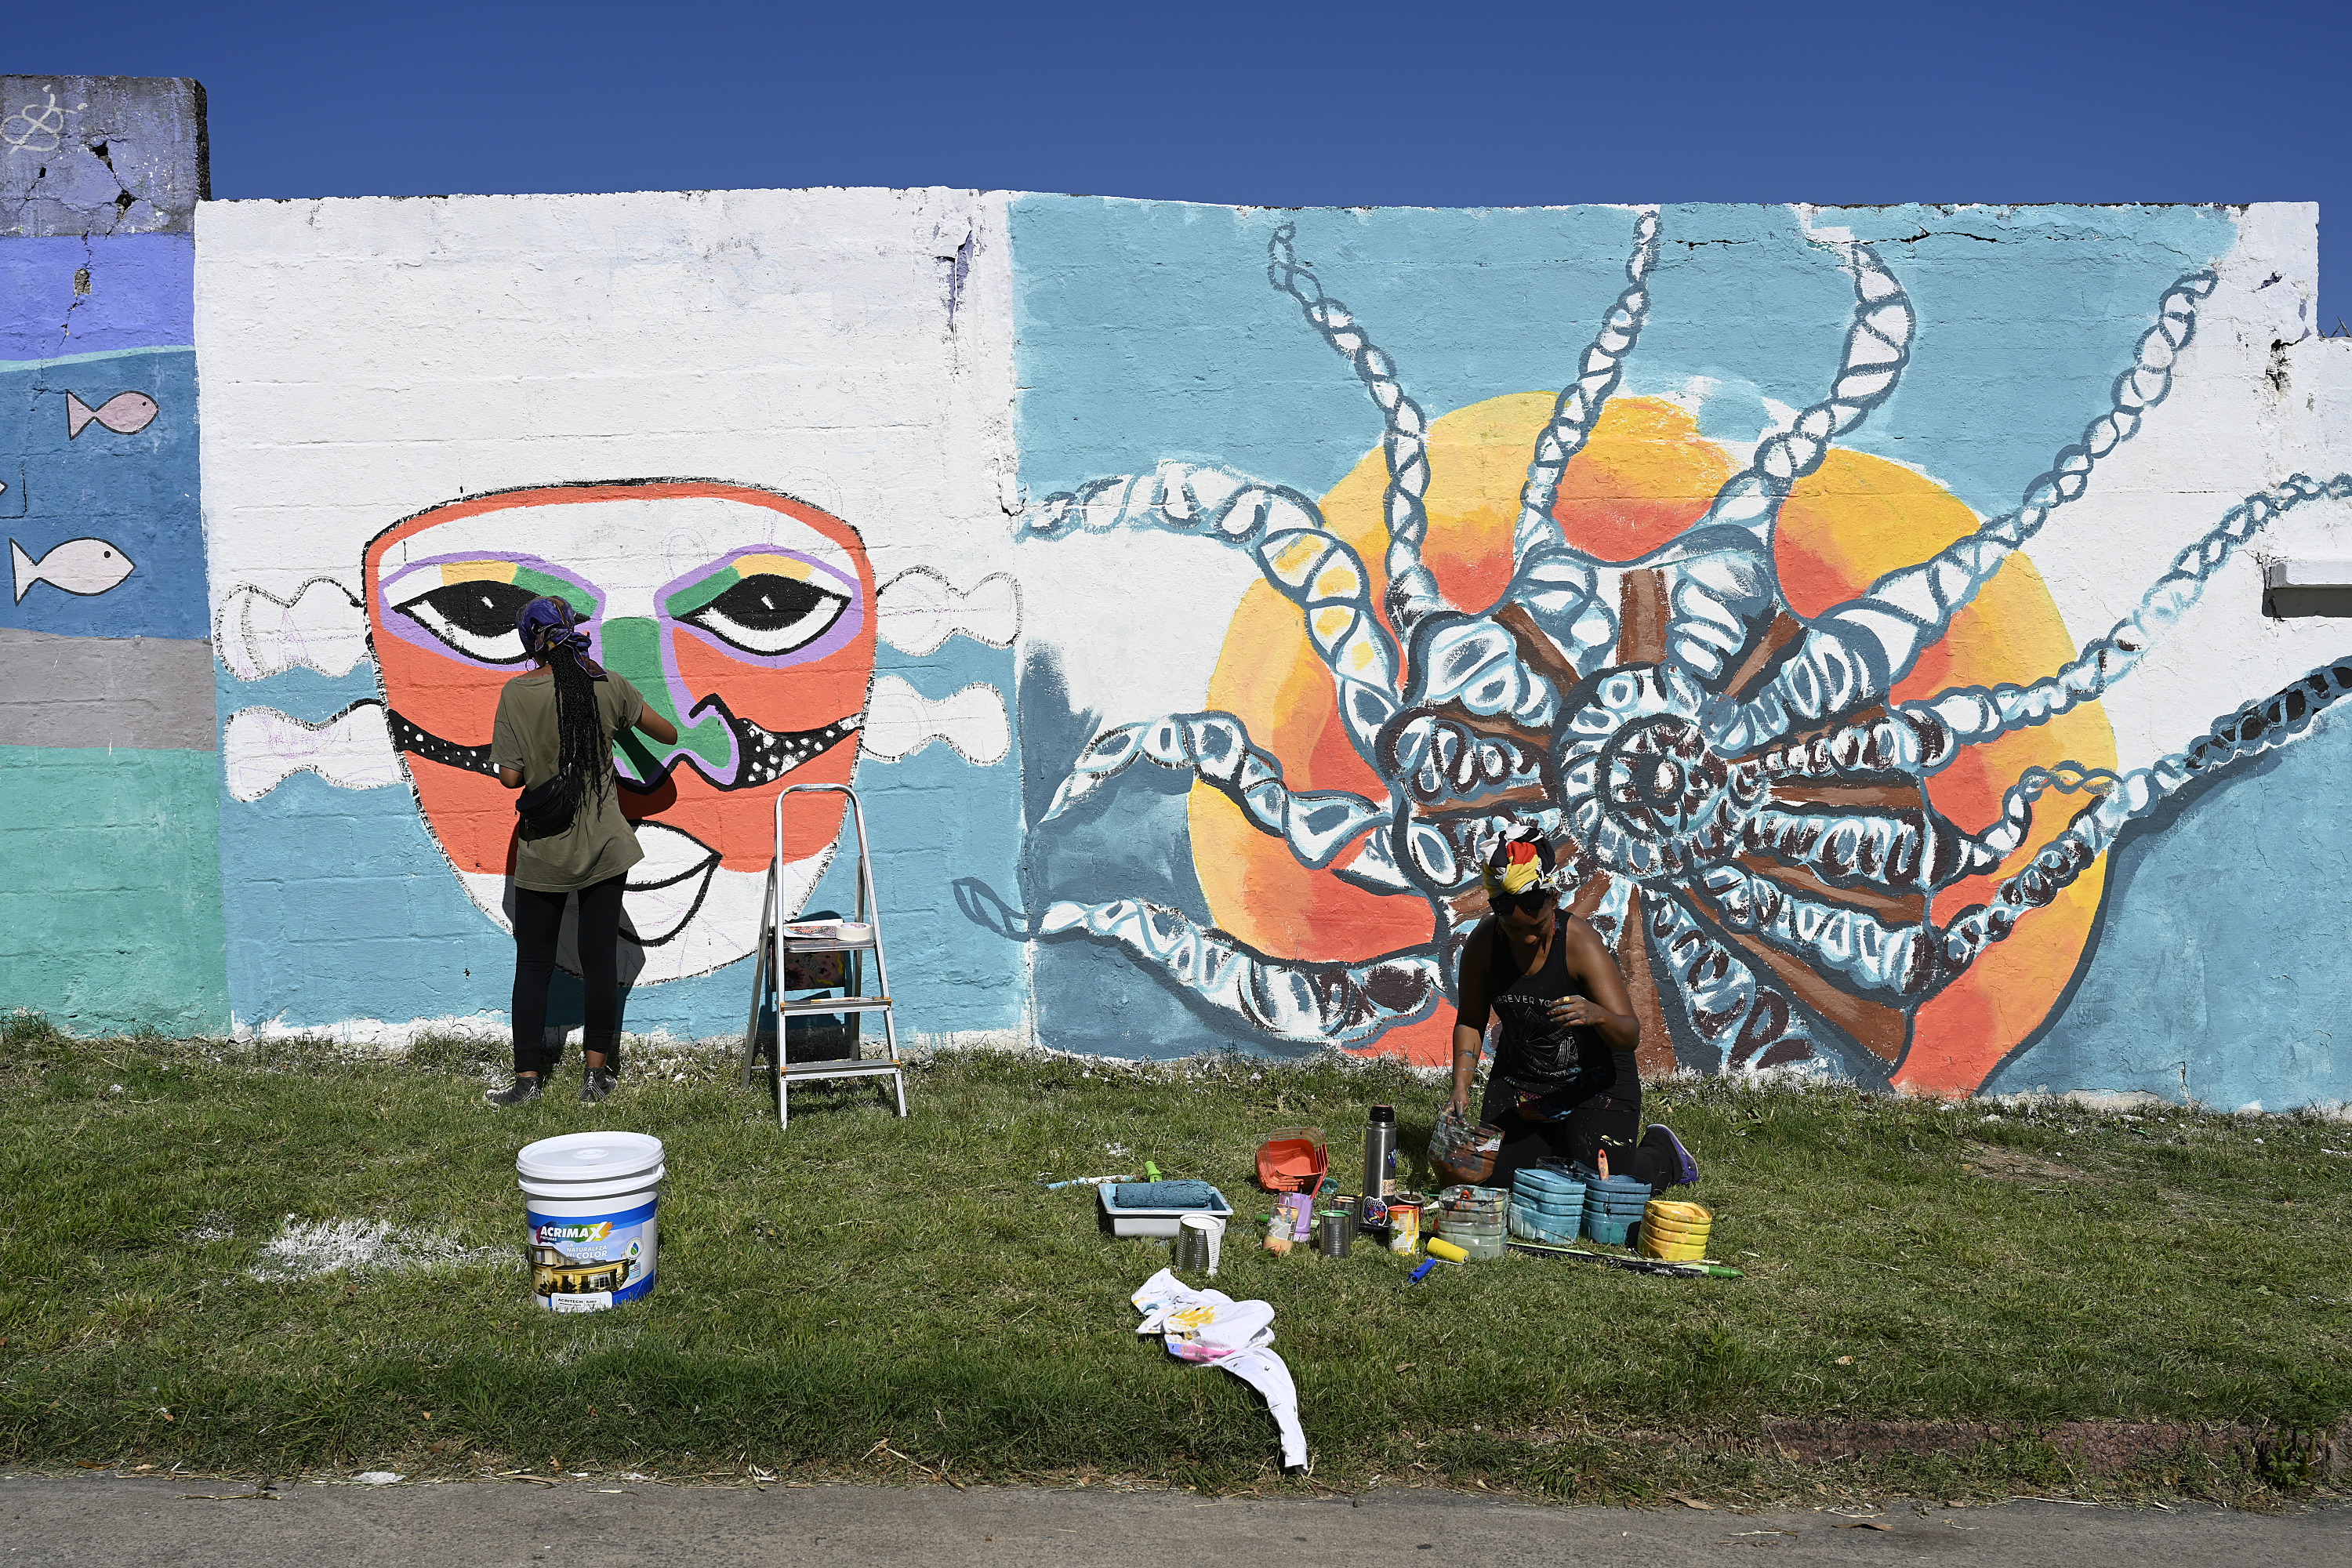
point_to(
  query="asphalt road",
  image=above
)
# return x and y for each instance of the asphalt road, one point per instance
(101, 1521)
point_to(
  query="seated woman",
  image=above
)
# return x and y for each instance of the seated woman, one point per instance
(1564, 1084)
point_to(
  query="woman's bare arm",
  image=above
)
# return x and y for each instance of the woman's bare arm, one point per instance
(1607, 1006)
(1470, 1015)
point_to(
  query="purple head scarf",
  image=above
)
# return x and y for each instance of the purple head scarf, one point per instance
(548, 626)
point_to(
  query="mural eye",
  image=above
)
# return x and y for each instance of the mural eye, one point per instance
(768, 613)
(476, 618)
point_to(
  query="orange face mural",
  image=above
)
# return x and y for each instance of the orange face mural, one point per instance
(1810, 734)
(744, 617)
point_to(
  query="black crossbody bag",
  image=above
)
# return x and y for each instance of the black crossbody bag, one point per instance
(547, 809)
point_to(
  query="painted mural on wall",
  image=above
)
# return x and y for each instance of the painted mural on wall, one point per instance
(109, 915)
(1868, 600)
(1832, 770)
(790, 642)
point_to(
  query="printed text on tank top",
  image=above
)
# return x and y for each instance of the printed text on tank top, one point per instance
(1536, 1052)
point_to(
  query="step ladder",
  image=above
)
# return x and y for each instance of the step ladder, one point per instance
(767, 976)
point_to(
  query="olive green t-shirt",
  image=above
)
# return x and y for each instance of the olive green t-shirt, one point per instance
(599, 843)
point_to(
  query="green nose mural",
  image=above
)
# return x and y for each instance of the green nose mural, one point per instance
(633, 649)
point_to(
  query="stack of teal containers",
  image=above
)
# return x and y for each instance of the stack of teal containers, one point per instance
(1612, 1209)
(1547, 1206)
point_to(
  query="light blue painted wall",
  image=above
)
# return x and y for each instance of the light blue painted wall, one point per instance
(2220, 965)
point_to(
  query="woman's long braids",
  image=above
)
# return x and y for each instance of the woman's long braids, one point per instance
(549, 629)
(583, 746)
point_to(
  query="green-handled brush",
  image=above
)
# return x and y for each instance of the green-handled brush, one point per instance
(1637, 1264)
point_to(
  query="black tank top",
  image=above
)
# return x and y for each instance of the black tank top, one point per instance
(1536, 1053)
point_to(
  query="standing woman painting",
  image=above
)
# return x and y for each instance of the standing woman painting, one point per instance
(553, 741)
(1564, 1085)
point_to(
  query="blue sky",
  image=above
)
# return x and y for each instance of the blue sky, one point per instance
(1291, 104)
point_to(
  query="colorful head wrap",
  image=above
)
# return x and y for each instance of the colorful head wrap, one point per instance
(1520, 873)
(549, 626)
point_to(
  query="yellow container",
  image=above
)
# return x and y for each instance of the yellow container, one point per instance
(1672, 1251)
(1671, 1213)
(1652, 1226)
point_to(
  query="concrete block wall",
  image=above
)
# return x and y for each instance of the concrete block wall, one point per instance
(110, 911)
(1870, 600)
(623, 399)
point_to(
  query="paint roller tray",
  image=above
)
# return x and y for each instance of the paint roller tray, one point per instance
(1161, 1223)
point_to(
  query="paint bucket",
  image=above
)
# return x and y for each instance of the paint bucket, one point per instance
(589, 1200)
(1335, 1232)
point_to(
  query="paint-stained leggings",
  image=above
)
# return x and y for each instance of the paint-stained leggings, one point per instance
(1609, 1119)
(538, 918)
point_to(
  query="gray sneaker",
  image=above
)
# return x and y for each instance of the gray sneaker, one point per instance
(601, 1082)
(523, 1091)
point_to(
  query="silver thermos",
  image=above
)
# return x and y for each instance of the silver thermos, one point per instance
(1380, 1156)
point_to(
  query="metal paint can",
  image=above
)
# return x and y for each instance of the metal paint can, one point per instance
(1199, 1239)
(1335, 1232)
(1404, 1225)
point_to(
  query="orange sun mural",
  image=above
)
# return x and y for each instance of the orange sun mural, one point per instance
(1643, 477)
(1809, 733)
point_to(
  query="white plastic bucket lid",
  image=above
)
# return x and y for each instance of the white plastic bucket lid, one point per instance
(589, 1164)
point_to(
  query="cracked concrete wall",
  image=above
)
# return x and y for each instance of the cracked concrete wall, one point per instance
(101, 155)
(110, 915)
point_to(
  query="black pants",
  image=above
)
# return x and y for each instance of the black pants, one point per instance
(1604, 1112)
(538, 918)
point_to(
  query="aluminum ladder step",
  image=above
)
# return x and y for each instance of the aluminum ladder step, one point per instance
(775, 948)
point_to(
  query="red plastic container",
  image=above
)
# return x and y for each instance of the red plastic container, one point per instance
(1292, 1160)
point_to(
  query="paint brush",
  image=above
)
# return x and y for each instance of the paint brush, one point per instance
(1636, 1264)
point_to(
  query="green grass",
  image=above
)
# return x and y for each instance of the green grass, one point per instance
(860, 1289)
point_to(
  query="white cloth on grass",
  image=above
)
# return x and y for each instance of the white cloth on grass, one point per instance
(1210, 1326)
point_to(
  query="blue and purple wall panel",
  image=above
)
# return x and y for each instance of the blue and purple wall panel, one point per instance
(110, 907)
